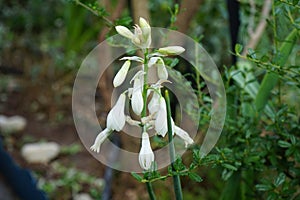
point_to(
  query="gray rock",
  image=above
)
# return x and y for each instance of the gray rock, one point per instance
(12, 124)
(40, 152)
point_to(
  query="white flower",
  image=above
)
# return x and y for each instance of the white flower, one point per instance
(171, 50)
(161, 124)
(145, 26)
(100, 139)
(137, 102)
(161, 68)
(121, 75)
(183, 135)
(122, 30)
(116, 117)
(146, 155)
(141, 36)
(154, 104)
(146, 32)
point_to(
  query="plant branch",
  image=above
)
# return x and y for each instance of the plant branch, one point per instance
(95, 12)
(256, 35)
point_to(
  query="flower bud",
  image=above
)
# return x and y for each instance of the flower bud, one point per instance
(121, 75)
(146, 155)
(146, 30)
(122, 30)
(116, 117)
(171, 50)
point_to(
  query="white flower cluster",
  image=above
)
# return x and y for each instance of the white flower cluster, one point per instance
(140, 92)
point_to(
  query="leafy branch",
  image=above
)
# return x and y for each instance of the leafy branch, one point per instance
(96, 10)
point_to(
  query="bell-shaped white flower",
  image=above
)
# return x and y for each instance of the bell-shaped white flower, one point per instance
(122, 30)
(154, 104)
(161, 68)
(161, 124)
(146, 155)
(100, 139)
(121, 75)
(183, 135)
(137, 102)
(171, 50)
(116, 117)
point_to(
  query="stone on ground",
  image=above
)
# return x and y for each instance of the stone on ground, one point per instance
(40, 152)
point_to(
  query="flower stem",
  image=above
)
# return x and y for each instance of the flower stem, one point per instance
(150, 191)
(144, 114)
(176, 178)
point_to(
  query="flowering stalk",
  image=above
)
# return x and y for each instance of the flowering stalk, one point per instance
(158, 119)
(144, 114)
(176, 178)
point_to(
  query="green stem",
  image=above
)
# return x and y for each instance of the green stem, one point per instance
(144, 114)
(176, 178)
(150, 191)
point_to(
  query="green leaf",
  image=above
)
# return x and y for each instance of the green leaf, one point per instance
(284, 144)
(178, 165)
(229, 166)
(238, 48)
(263, 187)
(226, 174)
(136, 176)
(251, 53)
(195, 177)
(279, 180)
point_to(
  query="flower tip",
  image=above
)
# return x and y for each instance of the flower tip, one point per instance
(122, 30)
(144, 23)
(95, 149)
(121, 75)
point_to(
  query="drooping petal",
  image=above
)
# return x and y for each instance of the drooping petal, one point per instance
(116, 117)
(161, 124)
(183, 135)
(161, 70)
(152, 61)
(100, 139)
(171, 50)
(122, 30)
(137, 102)
(133, 58)
(154, 104)
(121, 75)
(146, 155)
